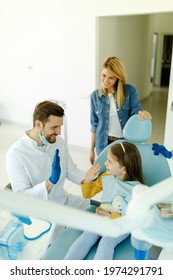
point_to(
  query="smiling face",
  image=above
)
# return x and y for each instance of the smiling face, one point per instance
(108, 80)
(113, 166)
(51, 128)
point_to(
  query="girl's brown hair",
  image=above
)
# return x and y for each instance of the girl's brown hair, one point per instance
(128, 155)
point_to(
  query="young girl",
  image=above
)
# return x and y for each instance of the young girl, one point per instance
(124, 171)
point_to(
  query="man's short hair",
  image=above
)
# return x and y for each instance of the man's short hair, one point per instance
(44, 109)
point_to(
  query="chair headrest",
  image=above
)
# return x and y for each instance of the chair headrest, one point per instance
(137, 130)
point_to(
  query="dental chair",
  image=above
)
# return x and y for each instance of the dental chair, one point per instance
(155, 170)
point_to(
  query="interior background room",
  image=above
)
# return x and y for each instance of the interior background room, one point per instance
(53, 50)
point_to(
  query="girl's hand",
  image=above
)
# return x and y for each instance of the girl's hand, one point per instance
(92, 173)
(103, 212)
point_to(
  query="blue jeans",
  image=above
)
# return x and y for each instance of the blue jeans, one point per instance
(86, 240)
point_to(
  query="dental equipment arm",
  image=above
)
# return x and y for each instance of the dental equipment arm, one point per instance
(52, 212)
(138, 211)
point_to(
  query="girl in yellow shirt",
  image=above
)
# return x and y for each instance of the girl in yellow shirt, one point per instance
(123, 172)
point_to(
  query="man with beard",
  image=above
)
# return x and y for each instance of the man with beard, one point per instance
(39, 162)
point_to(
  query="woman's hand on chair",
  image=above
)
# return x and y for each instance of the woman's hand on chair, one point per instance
(144, 115)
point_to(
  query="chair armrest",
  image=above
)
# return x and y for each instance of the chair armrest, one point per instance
(94, 202)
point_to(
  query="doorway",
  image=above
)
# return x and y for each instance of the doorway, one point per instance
(166, 60)
(153, 60)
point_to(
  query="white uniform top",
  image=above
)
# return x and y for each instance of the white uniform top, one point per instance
(29, 166)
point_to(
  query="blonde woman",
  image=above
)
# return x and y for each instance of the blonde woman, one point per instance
(112, 105)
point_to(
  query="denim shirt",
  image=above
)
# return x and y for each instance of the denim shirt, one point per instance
(99, 113)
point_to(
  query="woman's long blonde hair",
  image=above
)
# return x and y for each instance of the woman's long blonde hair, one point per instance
(116, 66)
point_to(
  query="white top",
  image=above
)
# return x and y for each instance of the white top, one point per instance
(114, 123)
(29, 166)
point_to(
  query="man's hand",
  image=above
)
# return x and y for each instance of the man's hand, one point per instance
(56, 168)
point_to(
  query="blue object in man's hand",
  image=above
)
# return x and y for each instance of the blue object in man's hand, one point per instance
(56, 168)
(160, 149)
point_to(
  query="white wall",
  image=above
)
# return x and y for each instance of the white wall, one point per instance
(31, 55)
(168, 140)
(86, 38)
(130, 38)
(48, 50)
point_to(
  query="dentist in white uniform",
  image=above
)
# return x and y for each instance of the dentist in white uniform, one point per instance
(39, 162)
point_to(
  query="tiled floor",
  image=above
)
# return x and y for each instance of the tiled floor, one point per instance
(156, 105)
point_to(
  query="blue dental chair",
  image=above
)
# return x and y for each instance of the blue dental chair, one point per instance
(155, 169)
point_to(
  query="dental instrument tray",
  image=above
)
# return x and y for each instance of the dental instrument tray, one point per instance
(165, 210)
